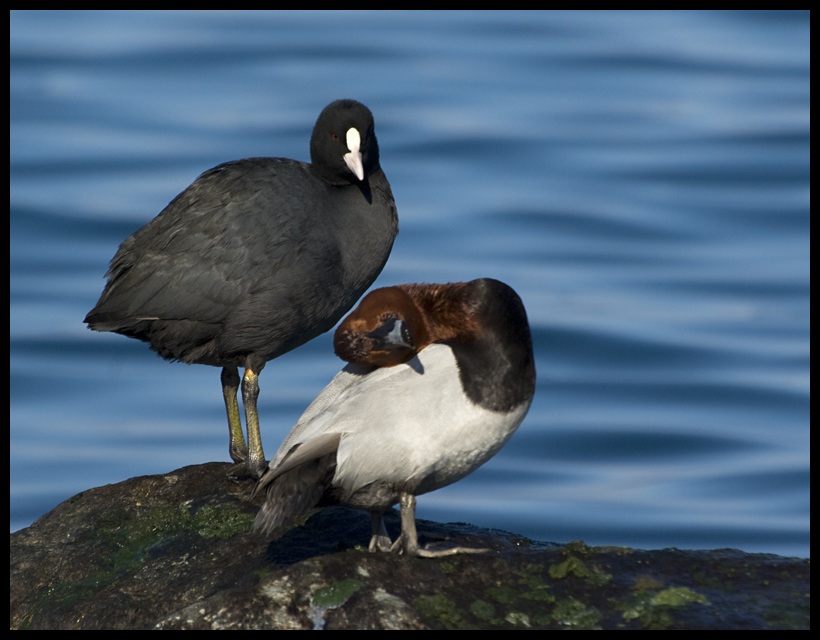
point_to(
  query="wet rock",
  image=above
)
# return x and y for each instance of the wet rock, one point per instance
(174, 551)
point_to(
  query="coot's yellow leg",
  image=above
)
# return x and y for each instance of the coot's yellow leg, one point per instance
(250, 392)
(237, 448)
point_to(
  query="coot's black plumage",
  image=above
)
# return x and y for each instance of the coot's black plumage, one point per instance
(255, 258)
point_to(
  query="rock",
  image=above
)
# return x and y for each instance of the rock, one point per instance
(174, 551)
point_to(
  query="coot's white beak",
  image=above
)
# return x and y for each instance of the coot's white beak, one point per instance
(353, 158)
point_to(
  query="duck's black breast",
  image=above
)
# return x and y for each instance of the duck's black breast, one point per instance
(497, 365)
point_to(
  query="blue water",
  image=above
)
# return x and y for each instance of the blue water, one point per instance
(640, 178)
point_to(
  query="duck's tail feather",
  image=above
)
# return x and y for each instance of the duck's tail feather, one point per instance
(293, 494)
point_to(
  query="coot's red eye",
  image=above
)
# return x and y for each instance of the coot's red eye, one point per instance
(333, 136)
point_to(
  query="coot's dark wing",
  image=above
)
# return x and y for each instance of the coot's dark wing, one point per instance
(232, 236)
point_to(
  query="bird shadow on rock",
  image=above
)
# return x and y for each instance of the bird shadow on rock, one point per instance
(324, 532)
(333, 529)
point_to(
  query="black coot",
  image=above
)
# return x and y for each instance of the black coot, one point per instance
(255, 258)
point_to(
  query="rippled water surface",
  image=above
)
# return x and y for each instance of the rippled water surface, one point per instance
(640, 178)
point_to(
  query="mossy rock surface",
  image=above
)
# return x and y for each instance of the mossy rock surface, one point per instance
(174, 551)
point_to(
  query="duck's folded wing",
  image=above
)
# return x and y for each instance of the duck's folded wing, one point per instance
(299, 455)
(297, 485)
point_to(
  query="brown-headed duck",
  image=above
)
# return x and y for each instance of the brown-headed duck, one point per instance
(440, 377)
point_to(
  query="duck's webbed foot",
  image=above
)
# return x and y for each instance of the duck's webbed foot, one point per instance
(380, 540)
(408, 542)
